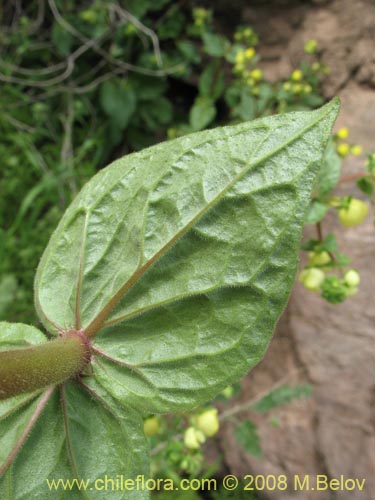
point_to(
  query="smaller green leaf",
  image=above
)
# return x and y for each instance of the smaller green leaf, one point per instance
(232, 96)
(329, 244)
(266, 96)
(342, 259)
(118, 101)
(247, 106)
(17, 335)
(215, 45)
(172, 25)
(189, 51)
(366, 186)
(329, 172)
(162, 110)
(148, 88)
(62, 39)
(247, 436)
(316, 212)
(202, 113)
(212, 83)
(282, 395)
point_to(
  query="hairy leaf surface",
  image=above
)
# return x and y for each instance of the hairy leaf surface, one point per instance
(182, 257)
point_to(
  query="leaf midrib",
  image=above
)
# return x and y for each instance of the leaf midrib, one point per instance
(99, 320)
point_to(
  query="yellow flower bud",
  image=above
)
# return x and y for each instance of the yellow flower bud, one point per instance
(208, 422)
(315, 66)
(354, 213)
(257, 74)
(319, 258)
(227, 392)
(342, 133)
(239, 68)
(312, 278)
(151, 426)
(352, 278)
(307, 89)
(297, 75)
(297, 88)
(287, 86)
(311, 46)
(356, 150)
(240, 57)
(335, 201)
(193, 438)
(343, 149)
(250, 53)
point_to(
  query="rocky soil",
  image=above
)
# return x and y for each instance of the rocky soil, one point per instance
(330, 347)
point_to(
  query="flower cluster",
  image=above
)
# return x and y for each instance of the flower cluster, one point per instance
(311, 46)
(204, 425)
(246, 35)
(331, 287)
(201, 19)
(344, 148)
(245, 68)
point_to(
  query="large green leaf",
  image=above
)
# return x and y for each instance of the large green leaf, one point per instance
(183, 256)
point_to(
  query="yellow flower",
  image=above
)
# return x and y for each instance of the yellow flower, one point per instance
(287, 86)
(335, 201)
(227, 392)
(208, 423)
(250, 53)
(315, 66)
(319, 258)
(312, 278)
(343, 149)
(240, 57)
(297, 75)
(151, 426)
(307, 89)
(311, 46)
(250, 81)
(193, 438)
(297, 88)
(342, 133)
(356, 150)
(257, 74)
(352, 278)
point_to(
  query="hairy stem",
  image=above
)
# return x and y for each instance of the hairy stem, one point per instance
(26, 370)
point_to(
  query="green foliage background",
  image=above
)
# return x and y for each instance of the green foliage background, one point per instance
(85, 82)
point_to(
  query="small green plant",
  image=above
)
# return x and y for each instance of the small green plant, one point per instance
(160, 286)
(83, 84)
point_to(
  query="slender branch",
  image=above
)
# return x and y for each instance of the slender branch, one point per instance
(108, 57)
(125, 15)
